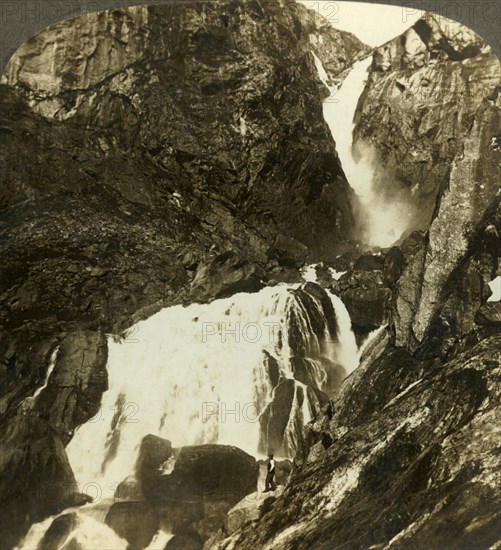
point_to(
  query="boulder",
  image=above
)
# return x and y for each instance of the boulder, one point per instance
(183, 542)
(288, 251)
(226, 274)
(489, 315)
(136, 522)
(369, 262)
(207, 472)
(59, 531)
(153, 452)
(368, 308)
(129, 489)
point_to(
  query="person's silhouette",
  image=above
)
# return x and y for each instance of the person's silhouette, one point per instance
(269, 484)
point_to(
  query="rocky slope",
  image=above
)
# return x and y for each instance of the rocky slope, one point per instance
(407, 454)
(150, 156)
(423, 92)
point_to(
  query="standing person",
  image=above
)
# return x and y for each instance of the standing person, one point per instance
(269, 484)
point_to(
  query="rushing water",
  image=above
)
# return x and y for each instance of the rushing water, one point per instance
(199, 374)
(384, 217)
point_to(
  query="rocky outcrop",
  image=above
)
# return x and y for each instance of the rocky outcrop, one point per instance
(37, 479)
(75, 386)
(135, 522)
(420, 101)
(335, 49)
(489, 315)
(225, 275)
(402, 471)
(463, 214)
(366, 295)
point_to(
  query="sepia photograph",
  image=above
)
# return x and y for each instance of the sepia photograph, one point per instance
(250, 276)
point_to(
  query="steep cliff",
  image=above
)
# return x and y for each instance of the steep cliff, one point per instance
(420, 101)
(141, 138)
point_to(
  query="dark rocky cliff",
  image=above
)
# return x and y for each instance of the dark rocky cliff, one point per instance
(140, 139)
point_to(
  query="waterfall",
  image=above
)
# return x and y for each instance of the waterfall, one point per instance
(87, 534)
(206, 373)
(384, 217)
(28, 402)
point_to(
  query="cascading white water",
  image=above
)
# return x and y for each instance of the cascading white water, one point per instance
(495, 286)
(88, 534)
(31, 400)
(384, 218)
(196, 375)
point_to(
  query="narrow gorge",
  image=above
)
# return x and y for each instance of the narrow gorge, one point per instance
(230, 230)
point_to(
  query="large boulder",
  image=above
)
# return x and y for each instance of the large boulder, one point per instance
(225, 275)
(153, 452)
(136, 522)
(368, 308)
(367, 298)
(208, 472)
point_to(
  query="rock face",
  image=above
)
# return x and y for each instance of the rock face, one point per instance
(366, 295)
(335, 49)
(144, 141)
(402, 470)
(36, 477)
(76, 384)
(410, 113)
(455, 235)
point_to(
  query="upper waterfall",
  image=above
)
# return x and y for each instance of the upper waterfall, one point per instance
(383, 219)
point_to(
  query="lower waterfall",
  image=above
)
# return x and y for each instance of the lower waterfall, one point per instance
(206, 373)
(209, 373)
